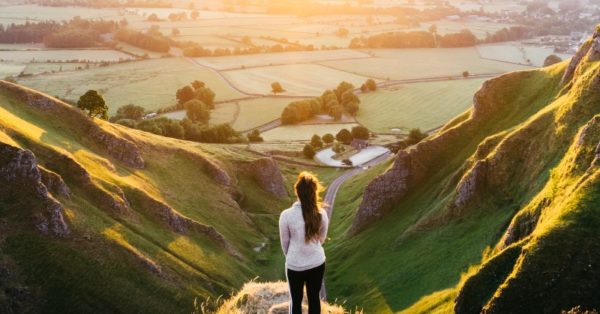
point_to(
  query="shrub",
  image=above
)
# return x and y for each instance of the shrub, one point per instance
(276, 88)
(316, 141)
(552, 59)
(308, 151)
(254, 136)
(360, 132)
(371, 85)
(415, 136)
(344, 136)
(328, 138)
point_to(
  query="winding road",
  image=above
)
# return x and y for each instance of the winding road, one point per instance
(334, 187)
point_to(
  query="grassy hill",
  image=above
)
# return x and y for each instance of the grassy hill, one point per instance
(95, 217)
(496, 213)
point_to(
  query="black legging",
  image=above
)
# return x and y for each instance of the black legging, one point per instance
(313, 278)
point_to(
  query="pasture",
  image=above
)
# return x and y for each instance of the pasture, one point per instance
(36, 68)
(83, 55)
(150, 83)
(283, 58)
(517, 53)
(296, 79)
(287, 133)
(420, 105)
(401, 64)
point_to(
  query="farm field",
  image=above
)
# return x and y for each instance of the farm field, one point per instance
(150, 83)
(517, 53)
(266, 59)
(91, 55)
(296, 79)
(36, 68)
(10, 69)
(288, 133)
(138, 51)
(420, 105)
(400, 64)
(4, 46)
(20, 14)
(244, 114)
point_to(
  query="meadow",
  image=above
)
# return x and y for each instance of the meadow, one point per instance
(517, 53)
(419, 105)
(296, 79)
(284, 58)
(400, 64)
(92, 55)
(289, 133)
(149, 83)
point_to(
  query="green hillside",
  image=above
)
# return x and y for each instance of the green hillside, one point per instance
(496, 213)
(95, 217)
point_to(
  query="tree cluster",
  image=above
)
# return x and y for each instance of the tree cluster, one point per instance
(415, 39)
(369, 86)
(152, 40)
(332, 102)
(76, 33)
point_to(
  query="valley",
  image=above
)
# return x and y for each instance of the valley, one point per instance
(148, 148)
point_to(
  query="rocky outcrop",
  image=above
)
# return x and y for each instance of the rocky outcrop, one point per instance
(267, 175)
(119, 148)
(21, 186)
(182, 224)
(470, 183)
(55, 183)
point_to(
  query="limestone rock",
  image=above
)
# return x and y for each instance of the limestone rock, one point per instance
(21, 181)
(266, 173)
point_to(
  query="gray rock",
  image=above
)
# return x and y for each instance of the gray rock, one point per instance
(266, 173)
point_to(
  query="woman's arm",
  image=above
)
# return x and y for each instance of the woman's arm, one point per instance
(324, 226)
(284, 234)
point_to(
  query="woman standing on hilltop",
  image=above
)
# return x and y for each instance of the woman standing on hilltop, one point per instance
(302, 230)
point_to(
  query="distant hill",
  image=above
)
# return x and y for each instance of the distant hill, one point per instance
(96, 217)
(499, 212)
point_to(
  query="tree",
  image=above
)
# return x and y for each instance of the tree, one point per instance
(153, 17)
(94, 104)
(194, 15)
(206, 95)
(130, 111)
(328, 138)
(364, 88)
(342, 32)
(341, 89)
(344, 136)
(175, 32)
(350, 102)
(254, 136)
(197, 111)
(337, 147)
(198, 84)
(466, 74)
(336, 112)
(371, 85)
(276, 88)
(552, 59)
(360, 132)
(316, 141)
(415, 136)
(184, 94)
(309, 151)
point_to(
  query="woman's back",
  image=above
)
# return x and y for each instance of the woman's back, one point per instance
(299, 254)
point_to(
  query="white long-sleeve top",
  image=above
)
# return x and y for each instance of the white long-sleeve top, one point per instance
(300, 255)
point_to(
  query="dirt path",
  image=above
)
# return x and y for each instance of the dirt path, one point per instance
(334, 187)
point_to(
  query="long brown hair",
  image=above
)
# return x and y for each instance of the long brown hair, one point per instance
(308, 189)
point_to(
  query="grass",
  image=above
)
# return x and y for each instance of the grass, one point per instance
(418, 268)
(92, 55)
(140, 52)
(45, 68)
(515, 53)
(296, 79)
(150, 83)
(420, 105)
(289, 133)
(401, 64)
(119, 247)
(237, 62)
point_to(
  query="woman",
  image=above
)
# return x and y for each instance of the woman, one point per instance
(303, 229)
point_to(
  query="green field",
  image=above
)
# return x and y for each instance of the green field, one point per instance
(400, 64)
(150, 83)
(420, 105)
(10, 69)
(289, 133)
(296, 79)
(268, 59)
(138, 51)
(45, 67)
(83, 55)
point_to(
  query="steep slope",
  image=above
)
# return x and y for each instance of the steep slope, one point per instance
(512, 188)
(96, 217)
